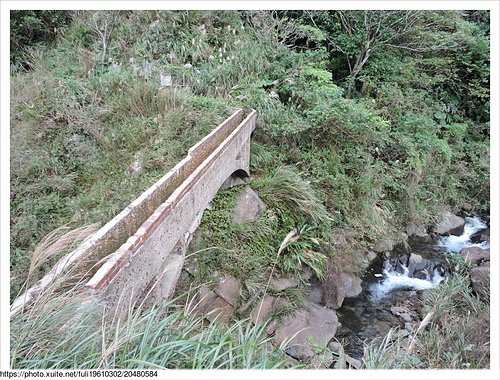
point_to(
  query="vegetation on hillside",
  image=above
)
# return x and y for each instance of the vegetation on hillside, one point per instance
(370, 123)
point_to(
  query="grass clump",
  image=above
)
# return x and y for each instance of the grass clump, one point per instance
(286, 189)
(69, 333)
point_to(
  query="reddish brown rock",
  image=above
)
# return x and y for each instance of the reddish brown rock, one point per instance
(480, 280)
(219, 311)
(205, 298)
(229, 289)
(316, 324)
(340, 286)
(262, 310)
(475, 255)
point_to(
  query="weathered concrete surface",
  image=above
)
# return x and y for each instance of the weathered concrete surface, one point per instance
(158, 219)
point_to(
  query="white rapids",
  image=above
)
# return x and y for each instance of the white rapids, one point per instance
(454, 243)
(395, 280)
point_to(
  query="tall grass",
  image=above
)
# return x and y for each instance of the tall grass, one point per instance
(67, 332)
(286, 188)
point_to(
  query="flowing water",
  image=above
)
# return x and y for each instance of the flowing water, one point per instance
(456, 243)
(395, 281)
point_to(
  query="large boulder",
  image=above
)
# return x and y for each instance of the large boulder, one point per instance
(248, 207)
(480, 280)
(316, 325)
(450, 224)
(383, 245)
(368, 258)
(475, 255)
(341, 285)
(229, 289)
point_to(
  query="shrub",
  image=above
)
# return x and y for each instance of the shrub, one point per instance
(30, 27)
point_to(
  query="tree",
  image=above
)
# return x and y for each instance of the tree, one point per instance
(358, 34)
(28, 27)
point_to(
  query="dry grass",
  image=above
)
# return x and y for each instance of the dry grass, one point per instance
(144, 99)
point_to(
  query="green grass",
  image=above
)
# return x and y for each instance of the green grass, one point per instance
(67, 332)
(71, 150)
(336, 174)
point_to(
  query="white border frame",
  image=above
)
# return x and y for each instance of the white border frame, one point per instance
(492, 5)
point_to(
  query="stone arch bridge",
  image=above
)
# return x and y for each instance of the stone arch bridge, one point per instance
(140, 252)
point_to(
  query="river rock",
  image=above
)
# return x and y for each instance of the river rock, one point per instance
(280, 284)
(419, 267)
(369, 258)
(340, 286)
(450, 224)
(475, 255)
(397, 310)
(418, 231)
(262, 310)
(480, 280)
(383, 245)
(415, 259)
(248, 207)
(316, 324)
(229, 289)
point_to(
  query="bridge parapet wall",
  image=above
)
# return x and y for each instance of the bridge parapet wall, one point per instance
(143, 265)
(130, 229)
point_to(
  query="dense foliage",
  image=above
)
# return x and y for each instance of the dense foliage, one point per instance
(30, 27)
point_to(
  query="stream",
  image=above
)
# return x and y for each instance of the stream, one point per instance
(391, 286)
